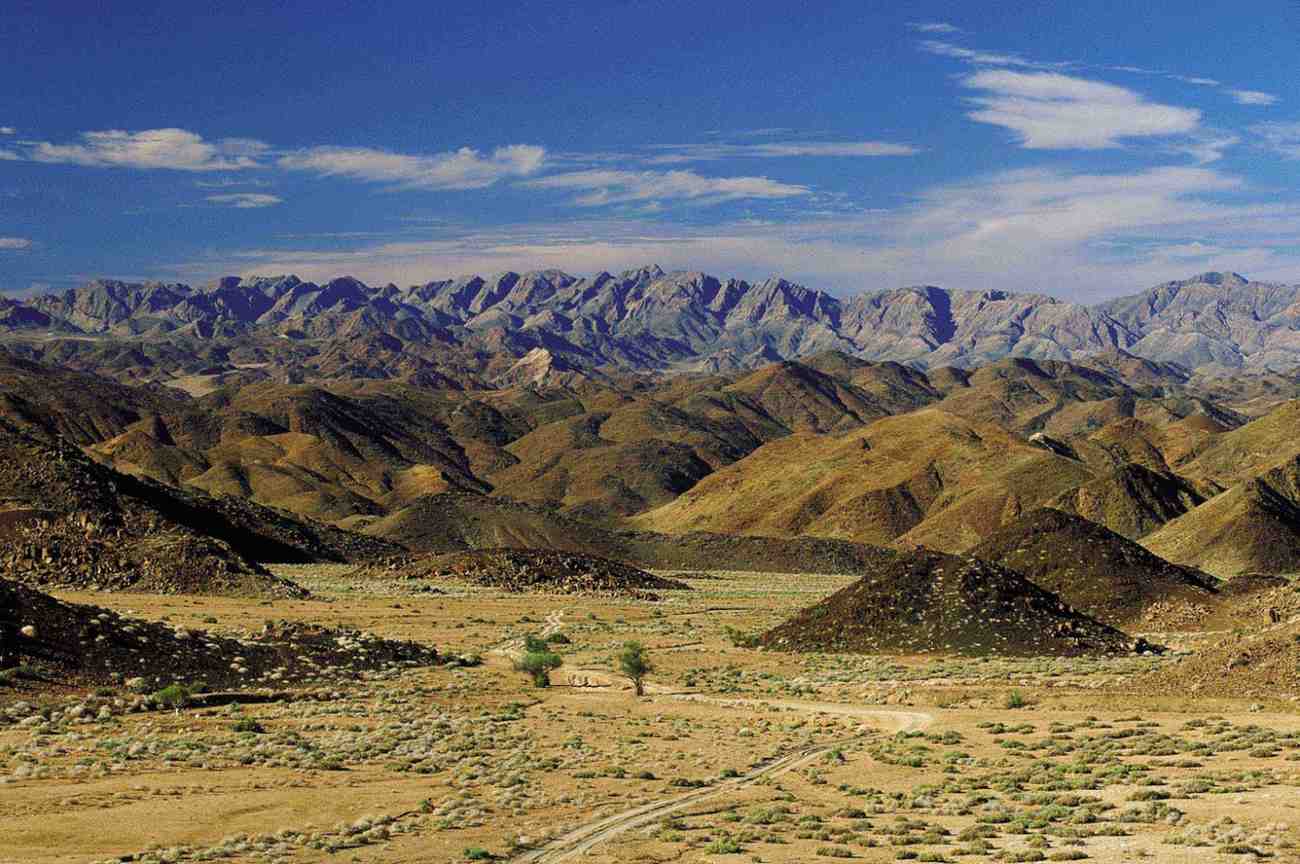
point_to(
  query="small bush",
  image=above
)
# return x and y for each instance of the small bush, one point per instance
(248, 724)
(175, 696)
(834, 852)
(740, 638)
(724, 846)
(538, 661)
(1015, 699)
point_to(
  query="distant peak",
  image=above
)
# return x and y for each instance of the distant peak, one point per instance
(1219, 278)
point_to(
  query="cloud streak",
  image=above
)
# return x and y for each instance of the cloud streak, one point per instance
(1252, 97)
(13, 244)
(976, 57)
(1085, 235)
(1282, 138)
(681, 153)
(246, 200)
(933, 27)
(1051, 111)
(465, 168)
(170, 149)
(604, 187)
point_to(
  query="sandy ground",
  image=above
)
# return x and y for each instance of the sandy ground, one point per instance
(733, 754)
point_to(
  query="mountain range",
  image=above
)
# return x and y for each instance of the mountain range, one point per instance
(475, 330)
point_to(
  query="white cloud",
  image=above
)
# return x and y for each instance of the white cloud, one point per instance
(983, 58)
(229, 182)
(1086, 236)
(1281, 138)
(601, 187)
(679, 153)
(1252, 97)
(1207, 149)
(465, 168)
(1050, 111)
(15, 243)
(246, 200)
(933, 27)
(175, 149)
(8, 130)
(977, 57)
(7, 156)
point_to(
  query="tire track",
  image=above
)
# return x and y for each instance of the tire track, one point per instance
(582, 839)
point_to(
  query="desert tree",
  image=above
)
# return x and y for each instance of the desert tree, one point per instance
(634, 663)
(538, 661)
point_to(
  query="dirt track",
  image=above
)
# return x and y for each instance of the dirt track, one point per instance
(582, 839)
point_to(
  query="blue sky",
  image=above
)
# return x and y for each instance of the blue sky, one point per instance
(1082, 149)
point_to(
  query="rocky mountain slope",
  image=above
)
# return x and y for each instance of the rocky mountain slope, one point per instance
(645, 319)
(927, 602)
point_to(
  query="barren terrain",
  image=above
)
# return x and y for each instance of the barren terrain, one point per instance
(734, 753)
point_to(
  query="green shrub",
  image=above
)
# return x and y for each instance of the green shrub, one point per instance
(724, 846)
(539, 664)
(175, 696)
(634, 663)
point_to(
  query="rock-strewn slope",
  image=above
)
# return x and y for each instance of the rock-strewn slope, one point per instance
(927, 602)
(1092, 568)
(533, 570)
(68, 521)
(73, 643)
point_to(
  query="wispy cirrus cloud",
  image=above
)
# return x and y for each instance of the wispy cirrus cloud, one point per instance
(1083, 235)
(231, 182)
(977, 57)
(1253, 97)
(933, 27)
(171, 149)
(1051, 111)
(12, 244)
(984, 58)
(600, 187)
(681, 153)
(8, 130)
(1281, 138)
(245, 200)
(465, 168)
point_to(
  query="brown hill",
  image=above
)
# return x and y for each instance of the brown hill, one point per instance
(1130, 500)
(803, 398)
(1023, 394)
(927, 602)
(533, 570)
(1251, 528)
(455, 522)
(1229, 457)
(1092, 568)
(76, 644)
(71, 522)
(924, 478)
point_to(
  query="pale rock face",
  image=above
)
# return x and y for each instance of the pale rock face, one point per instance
(647, 319)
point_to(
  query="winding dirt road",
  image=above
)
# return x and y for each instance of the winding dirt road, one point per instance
(580, 840)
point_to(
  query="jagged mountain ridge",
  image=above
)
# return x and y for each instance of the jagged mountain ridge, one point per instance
(648, 319)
